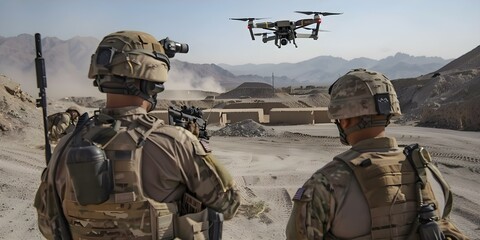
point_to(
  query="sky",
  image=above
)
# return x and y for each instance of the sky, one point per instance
(367, 28)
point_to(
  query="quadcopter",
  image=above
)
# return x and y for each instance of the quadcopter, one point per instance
(285, 31)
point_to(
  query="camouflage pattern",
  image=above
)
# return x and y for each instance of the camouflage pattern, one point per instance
(146, 190)
(336, 204)
(313, 210)
(352, 95)
(60, 124)
(135, 55)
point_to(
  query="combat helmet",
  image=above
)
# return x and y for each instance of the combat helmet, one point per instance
(74, 108)
(124, 57)
(363, 93)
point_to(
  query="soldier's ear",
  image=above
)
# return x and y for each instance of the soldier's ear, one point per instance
(349, 122)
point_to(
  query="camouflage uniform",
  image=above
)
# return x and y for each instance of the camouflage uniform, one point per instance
(123, 173)
(332, 205)
(369, 191)
(173, 162)
(60, 124)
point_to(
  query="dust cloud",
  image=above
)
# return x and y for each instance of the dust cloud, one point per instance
(188, 80)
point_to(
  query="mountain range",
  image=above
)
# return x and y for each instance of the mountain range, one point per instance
(446, 98)
(323, 70)
(67, 63)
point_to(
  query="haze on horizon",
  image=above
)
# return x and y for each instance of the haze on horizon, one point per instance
(373, 29)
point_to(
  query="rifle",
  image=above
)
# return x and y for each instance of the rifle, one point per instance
(178, 117)
(42, 85)
(60, 228)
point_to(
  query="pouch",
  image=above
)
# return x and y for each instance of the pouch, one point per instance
(192, 226)
(91, 174)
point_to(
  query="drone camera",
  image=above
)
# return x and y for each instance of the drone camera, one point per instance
(171, 47)
(283, 41)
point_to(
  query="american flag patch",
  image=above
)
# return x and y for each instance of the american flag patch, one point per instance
(298, 195)
(205, 145)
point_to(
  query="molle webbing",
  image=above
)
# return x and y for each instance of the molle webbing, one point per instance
(388, 183)
(128, 213)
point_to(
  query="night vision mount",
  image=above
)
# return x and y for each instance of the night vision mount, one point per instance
(171, 47)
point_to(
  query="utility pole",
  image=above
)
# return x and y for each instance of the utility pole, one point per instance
(273, 84)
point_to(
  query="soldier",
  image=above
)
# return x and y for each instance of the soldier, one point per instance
(62, 123)
(371, 191)
(124, 174)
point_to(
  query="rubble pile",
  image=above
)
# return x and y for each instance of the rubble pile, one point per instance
(245, 128)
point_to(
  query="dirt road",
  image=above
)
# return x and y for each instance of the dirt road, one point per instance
(268, 171)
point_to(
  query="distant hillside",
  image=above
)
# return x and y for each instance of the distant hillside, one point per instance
(469, 60)
(67, 63)
(17, 109)
(211, 77)
(324, 70)
(447, 98)
(250, 90)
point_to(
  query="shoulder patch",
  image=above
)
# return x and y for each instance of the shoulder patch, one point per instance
(298, 195)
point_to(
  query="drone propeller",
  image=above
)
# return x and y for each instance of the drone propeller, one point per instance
(318, 13)
(246, 19)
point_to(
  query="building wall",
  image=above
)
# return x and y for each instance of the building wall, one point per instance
(266, 106)
(237, 115)
(320, 115)
(278, 116)
(212, 116)
(291, 116)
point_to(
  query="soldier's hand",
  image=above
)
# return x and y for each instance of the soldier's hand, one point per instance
(193, 128)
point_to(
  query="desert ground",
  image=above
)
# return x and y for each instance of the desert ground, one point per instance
(267, 169)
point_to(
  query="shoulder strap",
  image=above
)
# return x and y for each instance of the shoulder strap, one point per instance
(150, 123)
(420, 159)
(60, 227)
(416, 155)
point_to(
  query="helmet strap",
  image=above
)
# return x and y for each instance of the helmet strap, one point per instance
(341, 132)
(368, 121)
(127, 86)
(134, 90)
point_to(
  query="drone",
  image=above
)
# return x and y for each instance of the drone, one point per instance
(285, 31)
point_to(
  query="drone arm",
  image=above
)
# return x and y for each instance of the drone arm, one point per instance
(270, 38)
(304, 22)
(305, 35)
(251, 32)
(315, 32)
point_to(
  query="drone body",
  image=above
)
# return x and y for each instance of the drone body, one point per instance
(285, 31)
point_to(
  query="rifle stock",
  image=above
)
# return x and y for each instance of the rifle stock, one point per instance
(42, 85)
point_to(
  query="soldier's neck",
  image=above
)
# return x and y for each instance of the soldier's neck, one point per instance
(120, 100)
(373, 132)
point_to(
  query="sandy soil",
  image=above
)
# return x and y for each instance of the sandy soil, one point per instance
(268, 171)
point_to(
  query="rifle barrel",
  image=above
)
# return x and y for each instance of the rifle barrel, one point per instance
(42, 85)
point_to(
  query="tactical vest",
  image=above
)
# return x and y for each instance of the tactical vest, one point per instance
(388, 182)
(125, 212)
